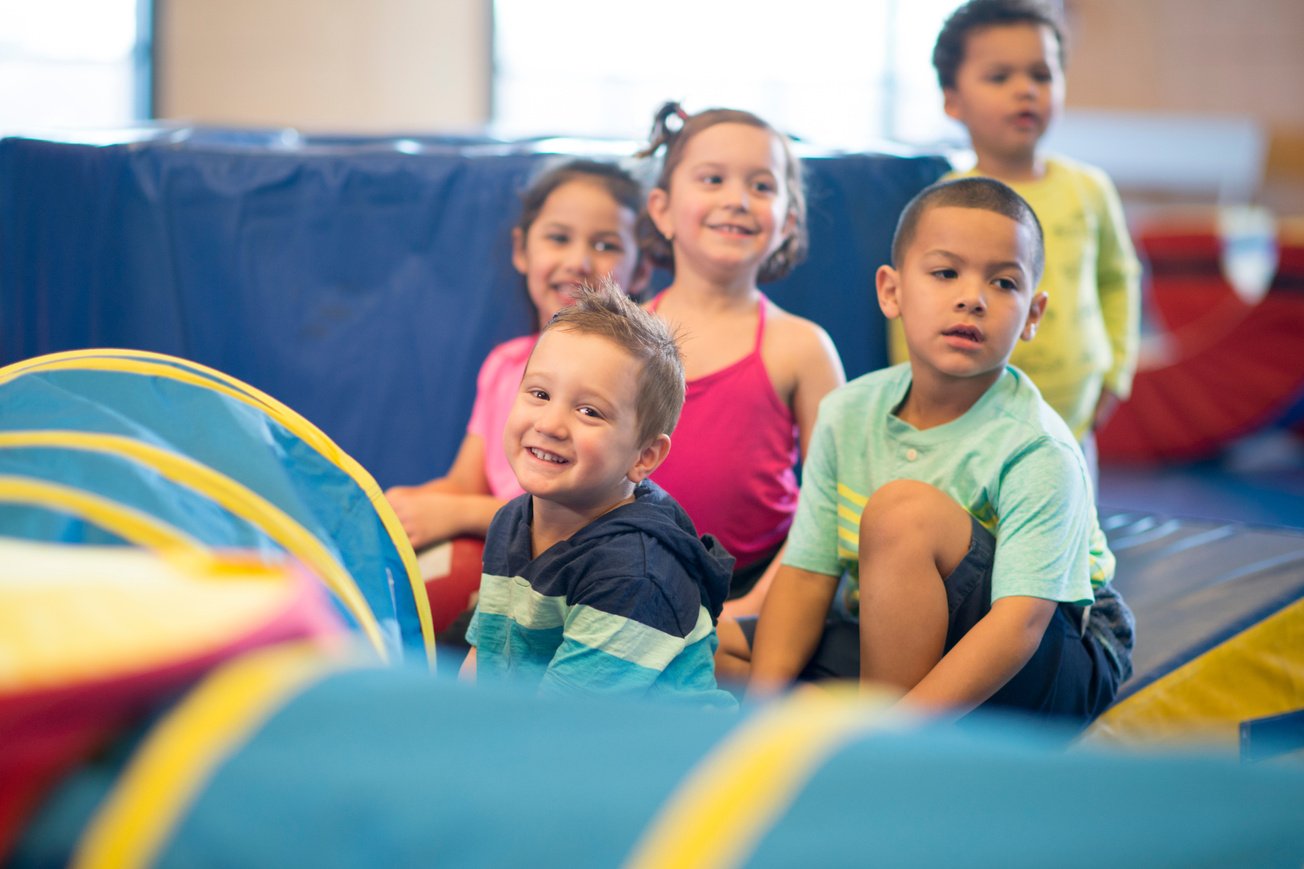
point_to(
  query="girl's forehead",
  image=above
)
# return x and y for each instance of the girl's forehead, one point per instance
(735, 143)
(585, 198)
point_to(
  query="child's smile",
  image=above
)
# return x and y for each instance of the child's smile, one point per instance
(545, 456)
(732, 229)
(572, 435)
(580, 235)
(727, 209)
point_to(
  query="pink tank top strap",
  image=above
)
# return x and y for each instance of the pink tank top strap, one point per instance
(761, 309)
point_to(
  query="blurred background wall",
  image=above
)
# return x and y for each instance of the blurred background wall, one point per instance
(420, 65)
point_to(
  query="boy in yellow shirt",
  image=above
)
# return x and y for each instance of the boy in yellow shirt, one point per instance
(1001, 67)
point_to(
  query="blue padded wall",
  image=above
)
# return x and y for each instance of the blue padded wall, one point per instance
(361, 281)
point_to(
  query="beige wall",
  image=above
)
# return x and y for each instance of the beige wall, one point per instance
(1223, 56)
(425, 65)
(325, 65)
(1226, 57)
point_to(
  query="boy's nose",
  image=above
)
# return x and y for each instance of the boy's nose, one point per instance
(1026, 85)
(972, 301)
(550, 422)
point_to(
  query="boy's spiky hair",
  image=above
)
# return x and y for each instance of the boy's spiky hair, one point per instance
(606, 311)
(948, 52)
(986, 194)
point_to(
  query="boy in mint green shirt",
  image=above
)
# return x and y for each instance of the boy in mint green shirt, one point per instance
(952, 501)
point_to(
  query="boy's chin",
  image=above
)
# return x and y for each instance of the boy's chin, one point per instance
(584, 503)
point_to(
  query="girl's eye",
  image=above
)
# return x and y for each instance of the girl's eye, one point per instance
(537, 394)
(711, 179)
(608, 247)
(998, 78)
(590, 411)
(765, 186)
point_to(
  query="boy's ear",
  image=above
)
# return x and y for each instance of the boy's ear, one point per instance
(887, 281)
(658, 202)
(1035, 312)
(649, 459)
(518, 249)
(951, 103)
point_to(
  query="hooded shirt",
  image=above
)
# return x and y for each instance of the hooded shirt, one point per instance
(627, 605)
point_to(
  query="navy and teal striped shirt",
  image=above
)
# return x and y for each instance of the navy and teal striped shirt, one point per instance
(625, 606)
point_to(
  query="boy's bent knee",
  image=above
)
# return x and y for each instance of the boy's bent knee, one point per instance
(915, 517)
(909, 507)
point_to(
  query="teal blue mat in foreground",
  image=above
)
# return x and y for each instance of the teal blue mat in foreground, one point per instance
(395, 767)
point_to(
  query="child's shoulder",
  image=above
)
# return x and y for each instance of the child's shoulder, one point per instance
(1019, 406)
(777, 317)
(881, 389)
(514, 348)
(796, 337)
(1069, 170)
(510, 353)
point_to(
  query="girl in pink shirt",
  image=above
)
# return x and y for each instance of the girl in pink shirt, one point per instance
(577, 225)
(727, 213)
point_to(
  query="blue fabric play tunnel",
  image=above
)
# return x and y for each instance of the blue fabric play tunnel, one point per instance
(169, 442)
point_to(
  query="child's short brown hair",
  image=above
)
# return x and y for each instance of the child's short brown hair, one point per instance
(606, 311)
(986, 194)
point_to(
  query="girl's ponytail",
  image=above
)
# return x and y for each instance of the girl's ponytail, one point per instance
(664, 130)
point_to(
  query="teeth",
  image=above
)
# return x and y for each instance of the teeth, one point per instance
(547, 457)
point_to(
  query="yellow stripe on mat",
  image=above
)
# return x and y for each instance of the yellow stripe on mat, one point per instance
(230, 495)
(183, 750)
(1257, 673)
(723, 808)
(139, 362)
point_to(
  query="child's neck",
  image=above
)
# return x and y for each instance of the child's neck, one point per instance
(931, 403)
(552, 523)
(719, 292)
(1022, 167)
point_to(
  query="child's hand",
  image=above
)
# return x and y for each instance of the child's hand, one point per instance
(427, 517)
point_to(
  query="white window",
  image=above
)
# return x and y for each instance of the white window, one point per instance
(73, 63)
(831, 72)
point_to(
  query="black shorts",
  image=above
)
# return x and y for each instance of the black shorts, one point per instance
(1068, 677)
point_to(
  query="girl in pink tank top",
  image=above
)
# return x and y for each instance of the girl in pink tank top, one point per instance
(728, 212)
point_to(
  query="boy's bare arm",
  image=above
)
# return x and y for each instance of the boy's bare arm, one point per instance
(789, 628)
(987, 657)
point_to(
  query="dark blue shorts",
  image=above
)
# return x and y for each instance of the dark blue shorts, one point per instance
(1069, 676)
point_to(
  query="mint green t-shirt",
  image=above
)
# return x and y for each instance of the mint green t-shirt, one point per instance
(1010, 460)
